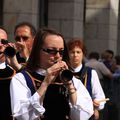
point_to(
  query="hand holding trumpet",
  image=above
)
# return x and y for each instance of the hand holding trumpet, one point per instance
(55, 70)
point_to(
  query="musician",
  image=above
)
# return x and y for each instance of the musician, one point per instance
(40, 91)
(3, 36)
(24, 33)
(6, 73)
(87, 75)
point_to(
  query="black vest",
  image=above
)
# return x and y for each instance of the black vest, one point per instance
(5, 104)
(55, 102)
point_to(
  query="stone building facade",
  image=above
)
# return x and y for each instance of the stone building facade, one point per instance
(95, 21)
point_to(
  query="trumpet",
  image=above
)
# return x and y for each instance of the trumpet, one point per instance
(66, 75)
(9, 51)
(4, 41)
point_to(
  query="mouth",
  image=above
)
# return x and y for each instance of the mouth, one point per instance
(75, 60)
(55, 61)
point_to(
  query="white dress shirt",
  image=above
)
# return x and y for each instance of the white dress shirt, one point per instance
(2, 65)
(27, 107)
(97, 91)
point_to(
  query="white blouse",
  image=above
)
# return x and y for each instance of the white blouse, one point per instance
(97, 91)
(27, 107)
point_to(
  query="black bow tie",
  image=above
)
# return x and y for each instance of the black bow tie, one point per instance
(77, 74)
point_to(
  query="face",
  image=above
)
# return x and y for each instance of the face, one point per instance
(3, 35)
(76, 57)
(23, 34)
(51, 51)
(110, 56)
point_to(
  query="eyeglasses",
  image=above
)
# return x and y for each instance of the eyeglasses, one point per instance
(53, 51)
(18, 38)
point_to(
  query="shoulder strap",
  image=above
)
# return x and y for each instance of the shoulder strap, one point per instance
(83, 72)
(29, 81)
(88, 84)
(85, 77)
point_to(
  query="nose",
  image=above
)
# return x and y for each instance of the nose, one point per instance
(21, 39)
(58, 54)
(74, 53)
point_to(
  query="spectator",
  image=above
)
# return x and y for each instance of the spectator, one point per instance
(117, 67)
(101, 69)
(108, 59)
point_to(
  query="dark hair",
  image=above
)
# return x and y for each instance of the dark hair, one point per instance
(110, 52)
(22, 24)
(94, 55)
(34, 58)
(76, 42)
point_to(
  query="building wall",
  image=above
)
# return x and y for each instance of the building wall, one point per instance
(113, 34)
(97, 24)
(101, 25)
(118, 32)
(67, 17)
(17, 11)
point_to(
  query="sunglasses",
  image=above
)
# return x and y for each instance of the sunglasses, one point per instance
(53, 51)
(24, 38)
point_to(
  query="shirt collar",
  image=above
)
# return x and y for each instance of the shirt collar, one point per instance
(77, 69)
(2, 65)
(41, 71)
